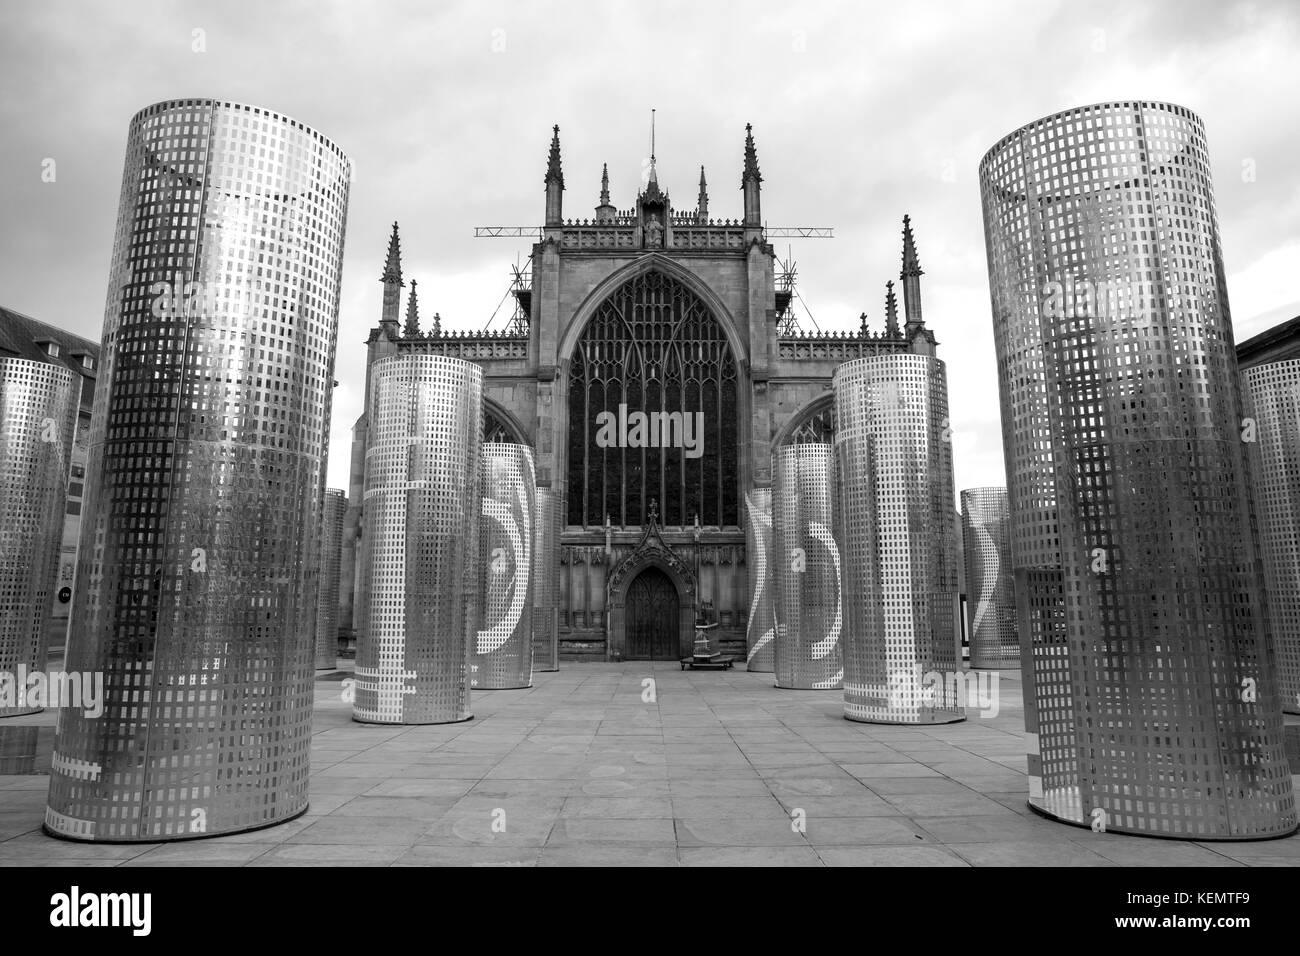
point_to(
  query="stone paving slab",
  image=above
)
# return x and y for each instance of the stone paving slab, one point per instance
(720, 769)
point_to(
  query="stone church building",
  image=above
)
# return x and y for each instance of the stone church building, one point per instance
(653, 367)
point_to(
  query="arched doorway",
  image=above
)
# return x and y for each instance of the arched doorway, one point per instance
(652, 618)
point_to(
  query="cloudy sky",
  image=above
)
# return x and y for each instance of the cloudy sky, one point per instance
(862, 112)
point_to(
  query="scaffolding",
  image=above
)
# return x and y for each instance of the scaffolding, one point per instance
(787, 292)
(521, 290)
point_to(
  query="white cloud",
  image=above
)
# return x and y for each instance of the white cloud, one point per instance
(447, 111)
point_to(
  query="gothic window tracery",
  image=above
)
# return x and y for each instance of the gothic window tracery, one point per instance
(653, 348)
(496, 430)
(817, 428)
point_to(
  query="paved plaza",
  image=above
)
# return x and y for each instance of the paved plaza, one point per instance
(644, 764)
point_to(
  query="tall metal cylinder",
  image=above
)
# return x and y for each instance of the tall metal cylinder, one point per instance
(806, 569)
(546, 580)
(206, 459)
(1272, 434)
(419, 544)
(760, 628)
(1152, 703)
(335, 506)
(38, 417)
(895, 525)
(501, 656)
(991, 599)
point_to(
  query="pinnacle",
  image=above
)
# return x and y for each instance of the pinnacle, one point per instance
(393, 264)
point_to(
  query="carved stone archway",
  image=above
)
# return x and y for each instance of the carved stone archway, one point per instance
(650, 552)
(814, 422)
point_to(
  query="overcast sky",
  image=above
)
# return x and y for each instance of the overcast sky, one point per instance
(861, 113)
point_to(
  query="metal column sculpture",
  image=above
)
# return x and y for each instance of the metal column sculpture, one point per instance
(419, 549)
(895, 525)
(206, 458)
(38, 417)
(1152, 702)
(760, 628)
(1272, 433)
(991, 600)
(806, 569)
(546, 581)
(501, 657)
(335, 505)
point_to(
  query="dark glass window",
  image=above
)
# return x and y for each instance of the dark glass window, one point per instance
(817, 428)
(654, 348)
(495, 430)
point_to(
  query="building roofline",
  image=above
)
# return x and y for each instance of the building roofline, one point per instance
(1281, 332)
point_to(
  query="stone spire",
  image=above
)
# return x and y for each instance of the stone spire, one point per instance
(702, 207)
(605, 211)
(911, 276)
(554, 182)
(751, 158)
(553, 171)
(412, 328)
(392, 280)
(891, 310)
(435, 330)
(750, 181)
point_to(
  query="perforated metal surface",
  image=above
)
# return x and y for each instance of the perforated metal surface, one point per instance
(331, 557)
(501, 656)
(546, 581)
(760, 628)
(38, 416)
(991, 597)
(806, 569)
(895, 525)
(420, 546)
(1272, 396)
(206, 460)
(1155, 676)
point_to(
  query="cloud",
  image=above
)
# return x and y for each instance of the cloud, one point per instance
(862, 112)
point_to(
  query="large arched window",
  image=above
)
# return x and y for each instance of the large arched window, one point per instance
(653, 411)
(496, 429)
(818, 427)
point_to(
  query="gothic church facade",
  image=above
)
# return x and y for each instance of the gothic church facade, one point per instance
(653, 370)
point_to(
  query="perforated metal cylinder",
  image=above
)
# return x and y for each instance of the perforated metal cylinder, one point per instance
(990, 598)
(206, 459)
(806, 569)
(760, 629)
(419, 543)
(895, 526)
(1150, 680)
(1272, 434)
(546, 580)
(38, 417)
(334, 508)
(501, 656)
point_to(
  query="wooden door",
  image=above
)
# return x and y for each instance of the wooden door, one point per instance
(652, 618)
